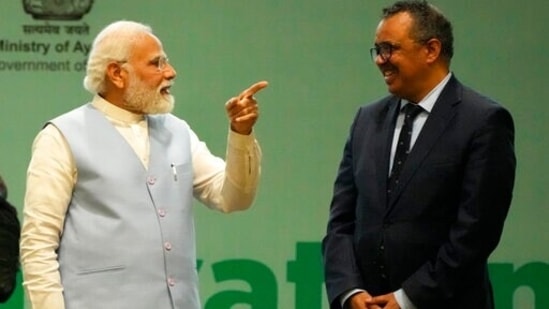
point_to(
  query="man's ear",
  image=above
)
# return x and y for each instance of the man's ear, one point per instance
(433, 48)
(116, 75)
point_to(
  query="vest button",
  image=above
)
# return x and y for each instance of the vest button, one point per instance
(168, 246)
(151, 180)
(171, 281)
(162, 212)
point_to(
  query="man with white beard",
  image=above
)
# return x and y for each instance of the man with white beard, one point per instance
(108, 220)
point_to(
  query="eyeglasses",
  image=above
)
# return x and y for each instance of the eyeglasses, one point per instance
(160, 62)
(384, 50)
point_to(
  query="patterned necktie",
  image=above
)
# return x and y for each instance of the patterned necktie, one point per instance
(411, 110)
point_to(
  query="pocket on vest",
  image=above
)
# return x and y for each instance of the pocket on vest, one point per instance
(94, 270)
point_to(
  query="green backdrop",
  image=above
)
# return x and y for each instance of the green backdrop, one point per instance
(315, 55)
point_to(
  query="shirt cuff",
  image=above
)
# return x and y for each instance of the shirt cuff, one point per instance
(403, 301)
(240, 141)
(345, 296)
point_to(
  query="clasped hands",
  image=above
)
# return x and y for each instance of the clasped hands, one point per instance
(242, 110)
(363, 300)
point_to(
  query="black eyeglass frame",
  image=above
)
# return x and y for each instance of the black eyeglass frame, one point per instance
(384, 50)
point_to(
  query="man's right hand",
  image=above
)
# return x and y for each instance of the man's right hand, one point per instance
(358, 301)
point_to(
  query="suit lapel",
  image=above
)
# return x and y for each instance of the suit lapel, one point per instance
(433, 129)
(383, 144)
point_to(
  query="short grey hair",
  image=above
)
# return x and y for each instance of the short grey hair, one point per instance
(429, 22)
(113, 43)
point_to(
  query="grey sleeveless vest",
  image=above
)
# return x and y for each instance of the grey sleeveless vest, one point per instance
(128, 238)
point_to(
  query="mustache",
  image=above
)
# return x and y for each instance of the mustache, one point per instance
(387, 66)
(168, 84)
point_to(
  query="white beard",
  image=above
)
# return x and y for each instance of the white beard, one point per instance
(139, 97)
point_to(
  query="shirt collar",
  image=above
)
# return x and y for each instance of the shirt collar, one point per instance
(114, 112)
(429, 100)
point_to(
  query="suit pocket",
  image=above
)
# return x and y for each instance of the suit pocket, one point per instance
(102, 269)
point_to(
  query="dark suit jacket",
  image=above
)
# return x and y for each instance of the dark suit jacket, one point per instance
(434, 234)
(9, 246)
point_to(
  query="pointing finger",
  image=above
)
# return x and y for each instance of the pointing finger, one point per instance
(248, 93)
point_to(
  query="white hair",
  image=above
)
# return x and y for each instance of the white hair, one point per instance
(113, 43)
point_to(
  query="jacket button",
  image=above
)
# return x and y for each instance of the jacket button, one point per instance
(168, 246)
(162, 212)
(151, 180)
(171, 281)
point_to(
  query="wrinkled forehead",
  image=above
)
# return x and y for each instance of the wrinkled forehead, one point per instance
(147, 47)
(395, 28)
